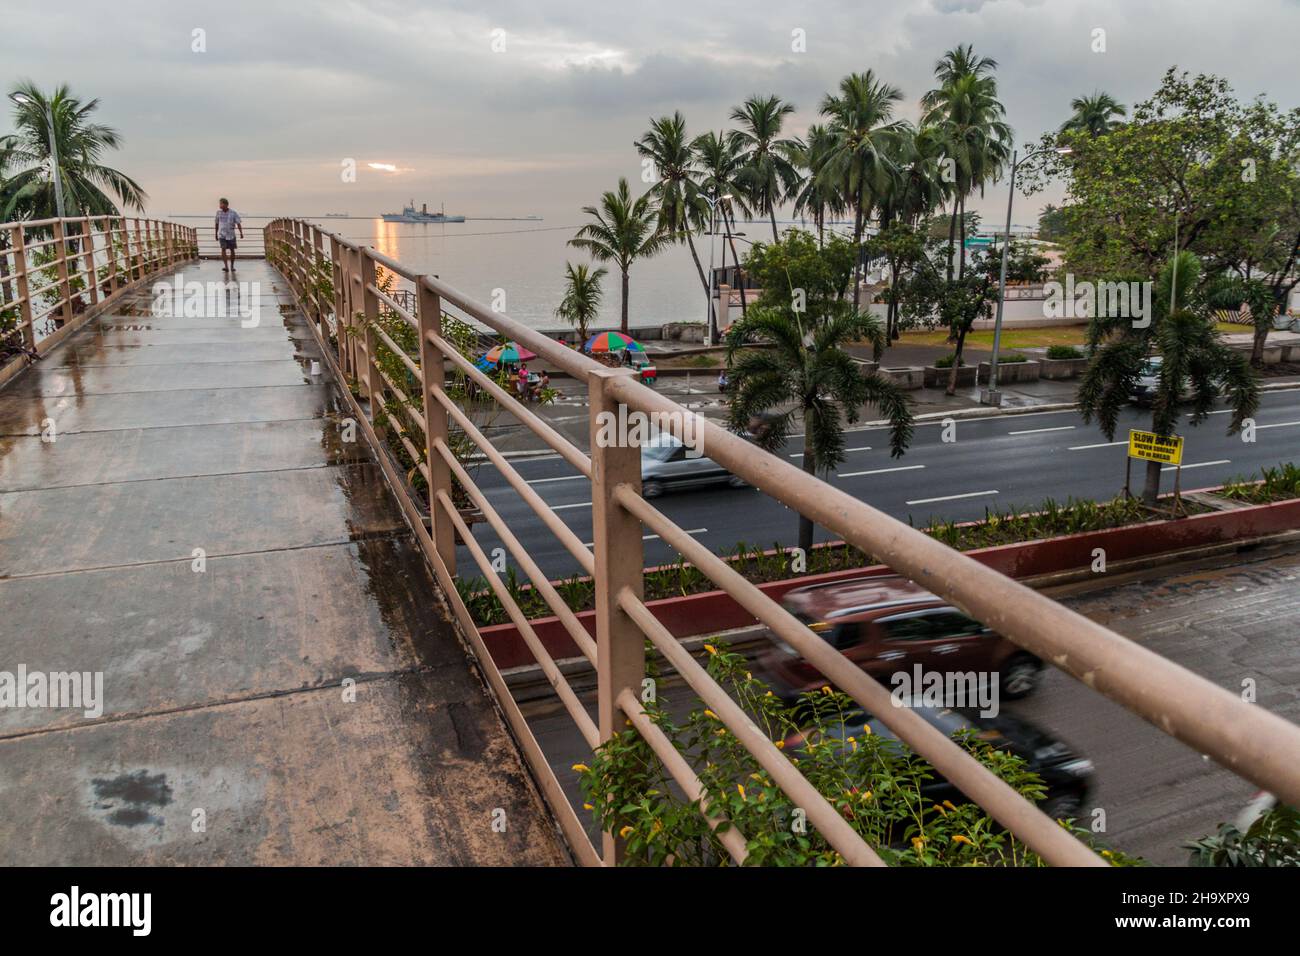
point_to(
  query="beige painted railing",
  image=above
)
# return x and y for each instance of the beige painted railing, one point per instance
(1244, 738)
(53, 270)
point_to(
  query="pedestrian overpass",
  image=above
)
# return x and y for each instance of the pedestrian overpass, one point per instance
(204, 509)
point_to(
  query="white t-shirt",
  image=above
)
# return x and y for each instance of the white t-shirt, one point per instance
(226, 222)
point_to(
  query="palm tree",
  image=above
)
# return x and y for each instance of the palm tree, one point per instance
(89, 187)
(769, 176)
(804, 370)
(720, 163)
(818, 197)
(1095, 115)
(1193, 360)
(861, 133)
(680, 210)
(966, 111)
(582, 297)
(623, 231)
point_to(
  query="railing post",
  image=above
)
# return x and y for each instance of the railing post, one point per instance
(65, 288)
(619, 554)
(137, 271)
(88, 257)
(370, 307)
(110, 240)
(336, 270)
(318, 256)
(168, 245)
(433, 374)
(22, 286)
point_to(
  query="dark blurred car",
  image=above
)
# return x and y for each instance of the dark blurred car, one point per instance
(886, 624)
(666, 466)
(1066, 775)
(1148, 381)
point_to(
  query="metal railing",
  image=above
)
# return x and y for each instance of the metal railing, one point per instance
(54, 270)
(1243, 738)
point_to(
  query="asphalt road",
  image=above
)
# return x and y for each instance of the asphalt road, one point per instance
(995, 462)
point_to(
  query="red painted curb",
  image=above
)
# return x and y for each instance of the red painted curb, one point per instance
(712, 611)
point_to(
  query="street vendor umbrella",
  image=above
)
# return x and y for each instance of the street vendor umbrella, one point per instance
(612, 342)
(508, 353)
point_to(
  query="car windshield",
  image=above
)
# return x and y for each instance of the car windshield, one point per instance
(660, 449)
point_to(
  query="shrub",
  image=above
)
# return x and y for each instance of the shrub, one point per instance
(946, 361)
(873, 781)
(1013, 358)
(1272, 840)
(1063, 352)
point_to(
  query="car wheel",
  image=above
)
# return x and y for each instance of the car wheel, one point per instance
(652, 489)
(737, 482)
(1064, 806)
(1020, 676)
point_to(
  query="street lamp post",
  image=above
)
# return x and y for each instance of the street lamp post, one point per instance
(22, 100)
(991, 395)
(713, 228)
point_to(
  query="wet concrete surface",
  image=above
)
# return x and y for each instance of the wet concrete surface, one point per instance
(294, 697)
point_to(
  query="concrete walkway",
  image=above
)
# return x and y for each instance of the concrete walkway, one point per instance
(291, 695)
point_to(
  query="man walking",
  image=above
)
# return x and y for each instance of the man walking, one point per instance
(226, 223)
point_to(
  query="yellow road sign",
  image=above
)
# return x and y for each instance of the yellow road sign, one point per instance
(1152, 447)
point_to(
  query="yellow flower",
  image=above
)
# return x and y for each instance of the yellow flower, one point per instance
(866, 796)
(866, 729)
(740, 790)
(948, 804)
(826, 688)
(779, 744)
(581, 767)
(1106, 853)
(961, 839)
(624, 832)
(748, 676)
(918, 843)
(710, 648)
(942, 811)
(588, 806)
(709, 713)
(768, 694)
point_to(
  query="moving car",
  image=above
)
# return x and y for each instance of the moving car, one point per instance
(885, 624)
(1148, 381)
(1066, 775)
(666, 466)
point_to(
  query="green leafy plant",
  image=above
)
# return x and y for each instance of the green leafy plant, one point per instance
(874, 782)
(1272, 840)
(1063, 352)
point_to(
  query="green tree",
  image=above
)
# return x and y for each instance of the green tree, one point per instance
(90, 188)
(966, 111)
(721, 162)
(817, 196)
(862, 131)
(1094, 115)
(770, 175)
(680, 210)
(801, 374)
(623, 231)
(1051, 223)
(1196, 366)
(582, 297)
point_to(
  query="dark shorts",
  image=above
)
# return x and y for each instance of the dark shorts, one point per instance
(227, 244)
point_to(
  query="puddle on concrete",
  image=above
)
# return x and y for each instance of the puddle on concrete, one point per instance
(130, 799)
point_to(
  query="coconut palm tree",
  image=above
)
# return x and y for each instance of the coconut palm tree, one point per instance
(89, 187)
(582, 297)
(818, 197)
(964, 108)
(861, 129)
(803, 376)
(680, 210)
(1095, 115)
(623, 231)
(721, 162)
(769, 176)
(1196, 366)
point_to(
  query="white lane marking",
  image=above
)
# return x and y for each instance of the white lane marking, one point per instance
(1035, 431)
(1105, 444)
(540, 481)
(879, 471)
(580, 504)
(652, 537)
(970, 494)
(799, 454)
(1276, 425)
(1199, 464)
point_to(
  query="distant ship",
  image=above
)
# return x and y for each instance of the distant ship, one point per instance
(336, 215)
(409, 214)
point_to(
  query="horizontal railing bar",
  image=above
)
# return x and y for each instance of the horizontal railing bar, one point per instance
(576, 710)
(544, 587)
(567, 450)
(821, 814)
(399, 351)
(998, 798)
(1243, 738)
(572, 543)
(393, 304)
(732, 840)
